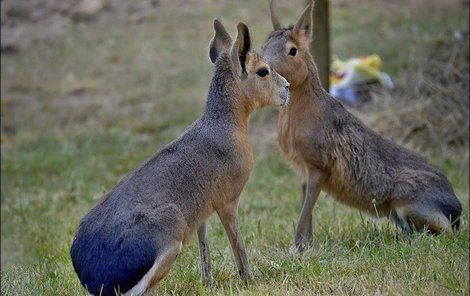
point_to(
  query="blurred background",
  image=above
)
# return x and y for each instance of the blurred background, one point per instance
(91, 88)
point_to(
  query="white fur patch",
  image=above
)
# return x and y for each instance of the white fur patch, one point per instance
(144, 283)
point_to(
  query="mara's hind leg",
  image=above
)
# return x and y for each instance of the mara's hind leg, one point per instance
(159, 269)
(421, 217)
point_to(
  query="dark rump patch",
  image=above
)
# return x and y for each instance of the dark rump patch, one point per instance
(106, 262)
(452, 209)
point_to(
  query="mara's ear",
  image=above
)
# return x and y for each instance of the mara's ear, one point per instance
(220, 42)
(303, 27)
(274, 18)
(240, 48)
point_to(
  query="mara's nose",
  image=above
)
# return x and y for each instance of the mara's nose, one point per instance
(284, 80)
(287, 86)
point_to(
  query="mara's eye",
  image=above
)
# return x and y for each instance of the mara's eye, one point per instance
(293, 51)
(262, 72)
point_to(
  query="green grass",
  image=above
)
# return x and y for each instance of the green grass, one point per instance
(51, 187)
(78, 115)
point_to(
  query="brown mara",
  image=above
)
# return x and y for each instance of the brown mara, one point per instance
(334, 151)
(128, 242)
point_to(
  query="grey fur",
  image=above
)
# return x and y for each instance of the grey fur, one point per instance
(169, 193)
(142, 223)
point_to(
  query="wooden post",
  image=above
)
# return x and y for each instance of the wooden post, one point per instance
(320, 47)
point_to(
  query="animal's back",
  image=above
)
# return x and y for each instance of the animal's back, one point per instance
(377, 170)
(361, 168)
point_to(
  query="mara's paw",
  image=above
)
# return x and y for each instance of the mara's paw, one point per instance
(303, 242)
(247, 277)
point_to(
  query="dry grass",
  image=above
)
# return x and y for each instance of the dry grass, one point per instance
(429, 109)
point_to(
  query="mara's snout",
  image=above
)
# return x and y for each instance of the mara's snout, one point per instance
(284, 89)
(284, 94)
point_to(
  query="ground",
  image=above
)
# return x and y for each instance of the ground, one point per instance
(84, 100)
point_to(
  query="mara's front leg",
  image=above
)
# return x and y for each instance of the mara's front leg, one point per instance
(303, 233)
(206, 273)
(302, 200)
(229, 217)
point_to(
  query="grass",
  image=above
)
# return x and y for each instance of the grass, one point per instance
(79, 114)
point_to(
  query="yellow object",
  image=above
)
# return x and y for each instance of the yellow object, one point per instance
(356, 70)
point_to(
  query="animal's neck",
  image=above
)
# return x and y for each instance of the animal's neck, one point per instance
(310, 92)
(225, 101)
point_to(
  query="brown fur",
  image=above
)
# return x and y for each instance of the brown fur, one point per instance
(333, 151)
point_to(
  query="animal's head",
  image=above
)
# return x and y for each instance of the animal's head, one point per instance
(260, 84)
(287, 49)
